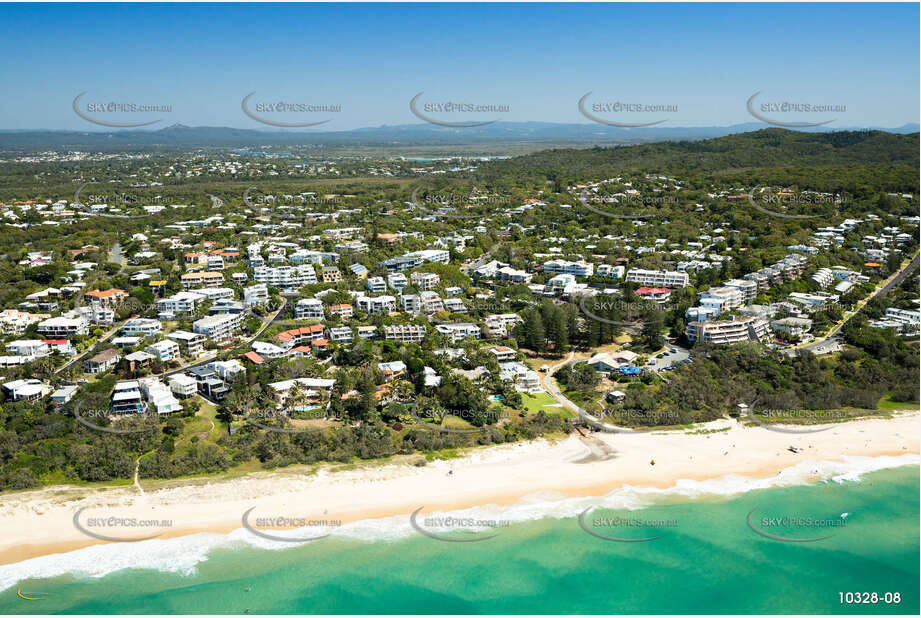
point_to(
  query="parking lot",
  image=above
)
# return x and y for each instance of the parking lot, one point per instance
(672, 355)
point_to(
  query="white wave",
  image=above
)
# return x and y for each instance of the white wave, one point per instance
(181, 555)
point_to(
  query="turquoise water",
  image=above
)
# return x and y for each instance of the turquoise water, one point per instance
(709, 561)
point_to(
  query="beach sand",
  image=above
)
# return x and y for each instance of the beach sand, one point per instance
(42, 522)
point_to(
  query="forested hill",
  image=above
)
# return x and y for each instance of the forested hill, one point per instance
(768, 148)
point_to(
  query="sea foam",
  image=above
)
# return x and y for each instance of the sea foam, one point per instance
(181, 555)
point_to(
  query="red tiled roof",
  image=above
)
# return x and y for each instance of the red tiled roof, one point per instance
(105, 293)
(253, 357)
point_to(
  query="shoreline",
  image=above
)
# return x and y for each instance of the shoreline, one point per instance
(42, 521)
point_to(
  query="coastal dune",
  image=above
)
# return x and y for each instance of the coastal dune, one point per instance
(42, 522)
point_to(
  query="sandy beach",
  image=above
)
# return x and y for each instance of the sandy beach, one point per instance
(42, 522)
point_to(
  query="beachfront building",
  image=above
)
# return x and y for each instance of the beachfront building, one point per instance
(718, 332)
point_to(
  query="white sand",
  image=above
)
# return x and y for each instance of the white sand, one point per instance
(40, 522)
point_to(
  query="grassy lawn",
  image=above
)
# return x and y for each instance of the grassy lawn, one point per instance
(209, 411)
(535, 403)
(887, 404)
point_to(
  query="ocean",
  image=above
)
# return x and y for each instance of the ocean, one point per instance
(812, 539)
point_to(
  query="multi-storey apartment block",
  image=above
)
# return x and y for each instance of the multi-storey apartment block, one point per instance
(657, 278)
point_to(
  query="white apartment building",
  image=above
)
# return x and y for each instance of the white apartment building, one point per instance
(376, 304)
(561, 281)
(397, 281)
(309, 309)
(425, 281)
(824, 277)
(731, 297)
(795, 327)
(166, 350)
(406, 333)
(159, 396)
(411, 303)
(513, 275)
(143, 327)
(182, 385)
(256, 294)
(218, 327)
(286, 277)
(563, 267)
(431, 302)
(341, 334)
(459, 331)
(227, 370)
(610, 272)
(657, 278)
(182, 303)
(748, 289)
(376, 285)
(62, 327)
(28, 347)
(718, 332)
(192, 344)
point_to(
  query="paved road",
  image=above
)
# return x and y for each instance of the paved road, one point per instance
(208, 359)
(833, 340)
(105, 337)
(548, 383)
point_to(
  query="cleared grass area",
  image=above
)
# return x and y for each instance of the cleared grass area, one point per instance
(535, 402)
(886, 403)
(209, 411)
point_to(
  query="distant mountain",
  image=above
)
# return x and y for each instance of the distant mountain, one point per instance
(795, 152)
(181, 136)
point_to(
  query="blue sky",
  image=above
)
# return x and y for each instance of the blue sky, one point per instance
(538, 59)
